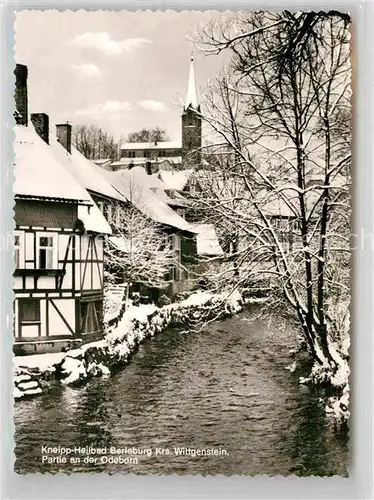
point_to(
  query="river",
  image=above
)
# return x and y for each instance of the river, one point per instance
(224, 388)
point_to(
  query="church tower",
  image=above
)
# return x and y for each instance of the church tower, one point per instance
(191, 124)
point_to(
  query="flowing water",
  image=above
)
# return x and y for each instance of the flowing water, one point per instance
(224, 388)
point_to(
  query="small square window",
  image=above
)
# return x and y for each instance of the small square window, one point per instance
(29, 310)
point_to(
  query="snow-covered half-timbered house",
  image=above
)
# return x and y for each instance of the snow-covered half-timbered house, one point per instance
(58, 249)
(58, 253)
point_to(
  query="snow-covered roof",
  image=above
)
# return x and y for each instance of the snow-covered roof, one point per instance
(88, 174)
(102, 161)
(162, 161)
(172, 202)
(207, 241)
(93, 219)
(41, 172)
(172, 160)
(134, 185)
(278, 206)
(135, 161)
(128, 146)
(175, 179)
(38, 173)
(122, 244)
(119, 163)
(151, 181)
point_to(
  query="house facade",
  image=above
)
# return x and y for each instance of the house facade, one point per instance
(58, 245)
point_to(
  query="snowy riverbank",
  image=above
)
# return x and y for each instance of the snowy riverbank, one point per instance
(36, 374)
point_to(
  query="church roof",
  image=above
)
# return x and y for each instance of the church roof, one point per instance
(191, 97)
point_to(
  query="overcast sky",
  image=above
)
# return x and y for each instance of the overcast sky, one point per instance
(119, 70)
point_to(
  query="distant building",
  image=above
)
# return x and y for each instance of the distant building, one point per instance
(135, 154)
(167, 155)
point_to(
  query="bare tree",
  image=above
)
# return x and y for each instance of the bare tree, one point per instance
(282, 114)
(94, 143)
(148, 135)
(140, 252)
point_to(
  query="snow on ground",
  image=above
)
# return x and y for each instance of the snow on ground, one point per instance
(337, 407)
(45, 362)
(196, 299)
(124, 328)
(74, 353)
(74, 369)
(337, 376)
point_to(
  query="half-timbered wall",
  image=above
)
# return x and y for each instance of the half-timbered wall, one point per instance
(91, 262)
(58, 277)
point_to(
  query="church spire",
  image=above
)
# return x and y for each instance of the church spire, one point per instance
(191, 98)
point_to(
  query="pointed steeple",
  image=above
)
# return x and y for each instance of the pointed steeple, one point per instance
(191, 98)
(191, 123)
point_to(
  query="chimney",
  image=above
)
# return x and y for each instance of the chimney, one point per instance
(20, 95)
(41, 124)
(63, 131)
(148, 168)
